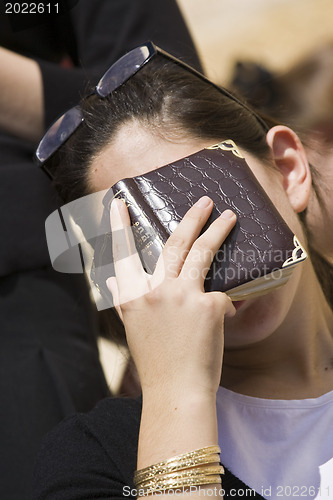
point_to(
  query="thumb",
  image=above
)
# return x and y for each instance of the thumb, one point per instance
(111, 283)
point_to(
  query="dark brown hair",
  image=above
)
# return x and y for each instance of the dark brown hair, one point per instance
(169, 100)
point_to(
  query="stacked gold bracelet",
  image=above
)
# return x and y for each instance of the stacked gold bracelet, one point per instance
(196, 468)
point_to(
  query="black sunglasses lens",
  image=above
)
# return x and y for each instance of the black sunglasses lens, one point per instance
(58, 133)
(123, 69)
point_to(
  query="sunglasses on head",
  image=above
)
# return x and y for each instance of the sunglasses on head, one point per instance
(120, 71)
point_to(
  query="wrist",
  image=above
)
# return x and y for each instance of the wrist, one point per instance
(182, 399)
(179, 391)
(175, 423)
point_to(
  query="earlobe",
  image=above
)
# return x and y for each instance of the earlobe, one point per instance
(290, 159)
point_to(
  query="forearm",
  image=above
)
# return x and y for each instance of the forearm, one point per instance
(177, 349)
(21, 96)
(174, 425)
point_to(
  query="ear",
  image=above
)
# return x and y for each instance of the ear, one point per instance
(290, 158)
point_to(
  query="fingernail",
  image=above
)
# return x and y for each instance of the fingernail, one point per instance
(115, 205)
(109, 283)
(203, 202)
(115, 215)
(228, 214)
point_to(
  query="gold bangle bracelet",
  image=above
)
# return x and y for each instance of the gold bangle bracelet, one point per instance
(188, 473)
(175, 466)
(180, 483)
(183, 461)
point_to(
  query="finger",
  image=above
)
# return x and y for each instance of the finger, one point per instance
(203, 250)
(123, 244)
(132, 281)
(224, 302)
(111, 283)
(181, 240)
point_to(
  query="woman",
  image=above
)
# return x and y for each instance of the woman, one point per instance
(276, 350)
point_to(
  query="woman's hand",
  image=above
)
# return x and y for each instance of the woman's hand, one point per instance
(175, 333)
(174, 329)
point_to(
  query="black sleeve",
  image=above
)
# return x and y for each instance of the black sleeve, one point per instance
(90, 455)
(103, 31)
(74, 466)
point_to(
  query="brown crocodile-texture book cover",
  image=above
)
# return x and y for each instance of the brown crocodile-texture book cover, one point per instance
(259, 253)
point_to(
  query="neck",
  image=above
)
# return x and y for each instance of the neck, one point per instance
(294, 362)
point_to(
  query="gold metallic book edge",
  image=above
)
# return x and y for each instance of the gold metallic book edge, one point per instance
(227, 145)
(298, 254)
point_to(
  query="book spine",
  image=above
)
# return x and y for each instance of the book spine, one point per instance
(150, 236)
